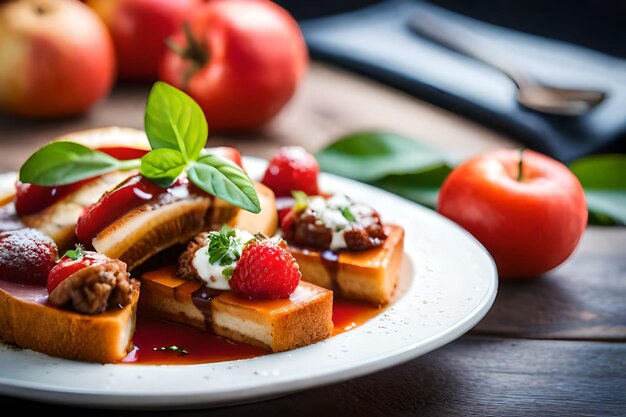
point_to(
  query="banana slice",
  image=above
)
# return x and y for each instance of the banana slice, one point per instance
(59, 219)
(151, 228)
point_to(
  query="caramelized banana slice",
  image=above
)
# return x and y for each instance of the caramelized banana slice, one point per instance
(58, 218)
(139, 219)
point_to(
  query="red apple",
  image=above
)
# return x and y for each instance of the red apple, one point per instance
(56, 57)
(140, 29)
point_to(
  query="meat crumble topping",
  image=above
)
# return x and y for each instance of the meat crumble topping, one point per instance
(95, 288)
(333, 223)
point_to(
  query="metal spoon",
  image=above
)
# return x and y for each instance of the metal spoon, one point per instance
(530, 93)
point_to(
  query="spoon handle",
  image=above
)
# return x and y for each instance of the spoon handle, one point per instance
(464, 40)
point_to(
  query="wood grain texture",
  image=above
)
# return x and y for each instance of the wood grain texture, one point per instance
(474, 376)
(583, 299)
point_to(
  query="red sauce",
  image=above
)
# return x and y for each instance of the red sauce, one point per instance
(153, 337)
(30, 198)
(130, 194)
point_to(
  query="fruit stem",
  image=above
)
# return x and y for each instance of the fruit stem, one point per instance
(195, 51)
(520, 164)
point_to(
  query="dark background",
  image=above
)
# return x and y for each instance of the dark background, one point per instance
(597, 24)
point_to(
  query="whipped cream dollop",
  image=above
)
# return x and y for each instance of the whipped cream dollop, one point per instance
(224, 254)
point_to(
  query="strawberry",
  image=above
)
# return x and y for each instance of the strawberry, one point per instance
(227, 152)
(292, 169)
(266, 270)
(26, 256)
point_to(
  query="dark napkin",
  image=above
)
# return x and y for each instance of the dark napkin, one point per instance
(378, 42)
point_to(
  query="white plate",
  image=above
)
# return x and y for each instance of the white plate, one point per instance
(448, 283)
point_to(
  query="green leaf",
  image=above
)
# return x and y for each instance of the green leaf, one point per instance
(606, 207)
(601, 172)
(347, 214)
(371, 156)
(76, 253)
(604, 179)
(61, 163)
(173, 120)
(421, 187)
(302, 200)
(224, 247)
(224, 179)
(162, 166)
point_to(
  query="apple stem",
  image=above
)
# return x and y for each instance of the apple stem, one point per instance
(195, 51)
(520, 164)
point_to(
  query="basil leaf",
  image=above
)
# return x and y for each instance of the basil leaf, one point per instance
(60, 163)
(224, 179)
(603, 178)
(173, 120)
(162, 166)
(371, 156)
(421, 187)
(347, 214)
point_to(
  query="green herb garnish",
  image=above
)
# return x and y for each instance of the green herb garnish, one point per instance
(75, 254)
(177, 349)
(177, 131)
(348, 214)
(224, 247)
(302, 200)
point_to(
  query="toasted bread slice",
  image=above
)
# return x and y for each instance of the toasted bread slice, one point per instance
(277, 325)
(266, 221)
(108, 137)
(28, 321)
(369, 275)
(7, 187)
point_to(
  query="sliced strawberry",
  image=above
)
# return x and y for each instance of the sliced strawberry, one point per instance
(292, 169)
(68, 266)
(266, 270)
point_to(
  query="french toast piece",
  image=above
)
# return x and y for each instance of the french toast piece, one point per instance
(28, 321)
(7, 187)
(166, 296)
(369, 275)
(266, 221)
(277, 325)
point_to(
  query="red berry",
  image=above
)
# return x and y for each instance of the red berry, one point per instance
(292, 169)
(26, 256)
(266, 270)
(227, 152)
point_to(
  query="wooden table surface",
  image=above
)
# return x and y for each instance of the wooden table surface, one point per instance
(555, 345)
